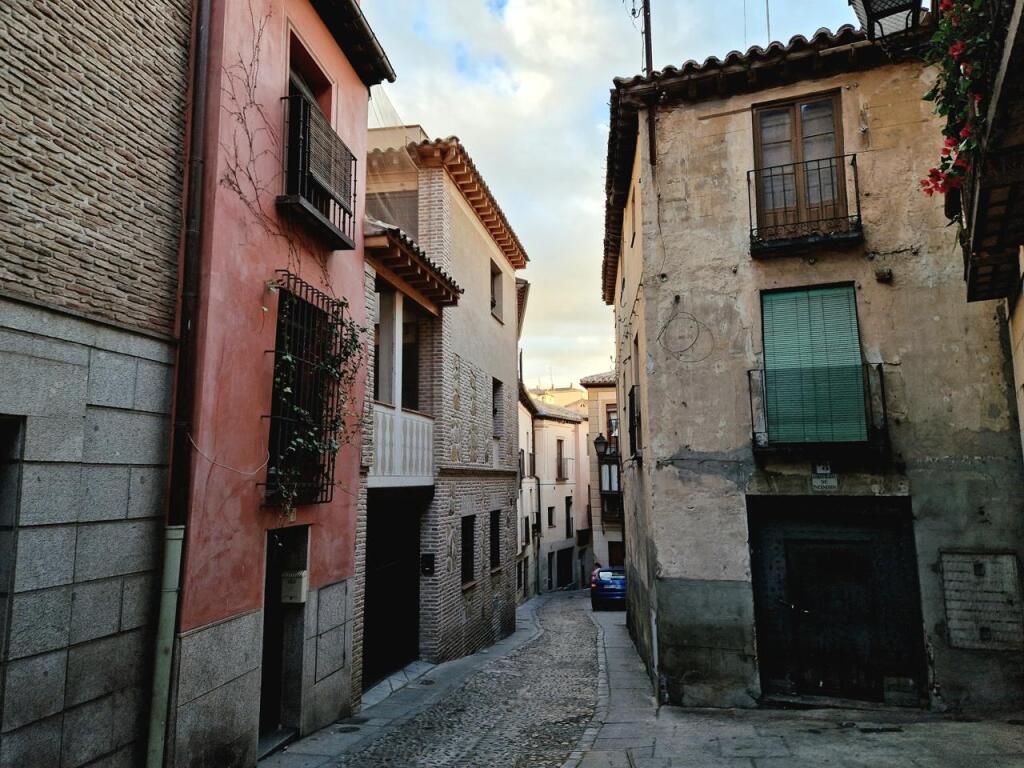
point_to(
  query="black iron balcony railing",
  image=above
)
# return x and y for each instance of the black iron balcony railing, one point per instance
(320, 174)
(795, 409)
(797, 205)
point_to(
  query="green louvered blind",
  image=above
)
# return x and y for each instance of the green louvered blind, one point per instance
(814, 383)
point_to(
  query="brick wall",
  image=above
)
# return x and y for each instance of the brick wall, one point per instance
(91, 143)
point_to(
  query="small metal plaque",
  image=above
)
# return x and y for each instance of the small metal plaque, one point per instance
(427, 564)
(824, 483)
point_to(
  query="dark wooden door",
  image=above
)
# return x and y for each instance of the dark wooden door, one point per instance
(834, 632)
(836, 597)
(565, 567)
(391, 610)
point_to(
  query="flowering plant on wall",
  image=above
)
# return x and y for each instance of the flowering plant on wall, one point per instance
(961, 48)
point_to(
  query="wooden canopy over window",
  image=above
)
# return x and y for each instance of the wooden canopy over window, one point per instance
(398, 259)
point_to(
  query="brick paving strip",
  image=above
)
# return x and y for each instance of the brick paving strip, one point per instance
(523, 703)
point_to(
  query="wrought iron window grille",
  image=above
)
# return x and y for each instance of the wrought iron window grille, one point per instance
(320, 174)
(306, 419)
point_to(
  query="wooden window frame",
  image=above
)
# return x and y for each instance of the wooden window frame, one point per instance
(802, 209)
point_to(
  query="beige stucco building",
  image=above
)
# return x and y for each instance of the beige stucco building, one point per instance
(604, 489)
(821, 464)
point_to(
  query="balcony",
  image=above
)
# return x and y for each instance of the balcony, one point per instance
(830, 412)
(403, 448)
(635, 422)
(320, 174)
(796, 206)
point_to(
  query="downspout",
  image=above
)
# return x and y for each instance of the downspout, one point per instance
(184, 394)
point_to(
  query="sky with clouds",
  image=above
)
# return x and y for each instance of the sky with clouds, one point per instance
(524, 84)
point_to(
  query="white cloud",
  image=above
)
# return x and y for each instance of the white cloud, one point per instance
(526, 89)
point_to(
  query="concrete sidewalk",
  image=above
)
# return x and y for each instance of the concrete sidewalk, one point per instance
(630, 731)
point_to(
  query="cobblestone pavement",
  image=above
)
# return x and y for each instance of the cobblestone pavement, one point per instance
(520, 708)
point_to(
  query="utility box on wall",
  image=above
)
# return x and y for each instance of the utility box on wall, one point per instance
(294, 586)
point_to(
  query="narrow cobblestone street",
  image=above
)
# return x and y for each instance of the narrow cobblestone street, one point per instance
(524, 702)
(568, 690)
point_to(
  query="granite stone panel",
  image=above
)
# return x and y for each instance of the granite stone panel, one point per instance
(220, 727)
(10, 479)
(153, 387)
(130, 710)
(6, 560)
(107, 665)
(50, 493)
(113, 549)
(33, 689)
(37, 744)
(146, 491)
(124, 437)
(54, 438)
(138, 600)
(333, 609)
(88, 732)
(34, 345)
(105, 493)
(33, 386)
(39, 622)
(213, 656)
(45, 558)
(330, 652)
(95, 609)
(111, 379)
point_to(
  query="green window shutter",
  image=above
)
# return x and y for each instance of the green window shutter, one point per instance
(814, 384)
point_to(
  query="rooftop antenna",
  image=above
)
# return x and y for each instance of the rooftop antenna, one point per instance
(768, 19)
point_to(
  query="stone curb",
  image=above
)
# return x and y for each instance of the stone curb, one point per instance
(601, 712)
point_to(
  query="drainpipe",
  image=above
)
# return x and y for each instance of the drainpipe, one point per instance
(184, 392)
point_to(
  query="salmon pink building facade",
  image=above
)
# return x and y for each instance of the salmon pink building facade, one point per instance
(271, 377)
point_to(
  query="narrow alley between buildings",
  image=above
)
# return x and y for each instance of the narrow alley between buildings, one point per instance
(567, 690)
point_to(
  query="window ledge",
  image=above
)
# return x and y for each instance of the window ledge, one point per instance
(469, 585)
(496, 570)
(497, 317)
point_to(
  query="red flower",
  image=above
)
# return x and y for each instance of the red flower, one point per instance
(950, 142)
(947, 5)
(957, 49)
(966, 132)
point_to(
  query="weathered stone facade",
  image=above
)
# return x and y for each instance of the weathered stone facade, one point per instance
(92, 131)
(687, 298)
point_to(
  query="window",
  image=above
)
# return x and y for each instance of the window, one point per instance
(320, 170)
(497, 409)
(612, 427)
(568, 517)
(800, 174)
(496, 291)
(814, 376)
(560, 473)
(304, 414)
(526, 530)
(468, 549)
(410, 363)
(495, 538)
(551, 517)
(551, 570)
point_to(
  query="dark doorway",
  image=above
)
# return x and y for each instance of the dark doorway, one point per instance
(281, 680)
(565, 567)
(616, 553)
(836, 598)
(551, 570)
(391, 634)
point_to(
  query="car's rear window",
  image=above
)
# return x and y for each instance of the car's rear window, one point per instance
(611, 575)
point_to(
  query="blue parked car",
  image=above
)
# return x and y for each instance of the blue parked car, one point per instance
(608, 587)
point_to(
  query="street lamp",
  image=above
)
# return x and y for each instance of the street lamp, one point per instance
(886, 18)
(601, 444)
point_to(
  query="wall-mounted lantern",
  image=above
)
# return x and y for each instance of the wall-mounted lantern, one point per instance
(888, 18)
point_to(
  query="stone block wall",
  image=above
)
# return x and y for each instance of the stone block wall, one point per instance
(91, 152)
(80, 535)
